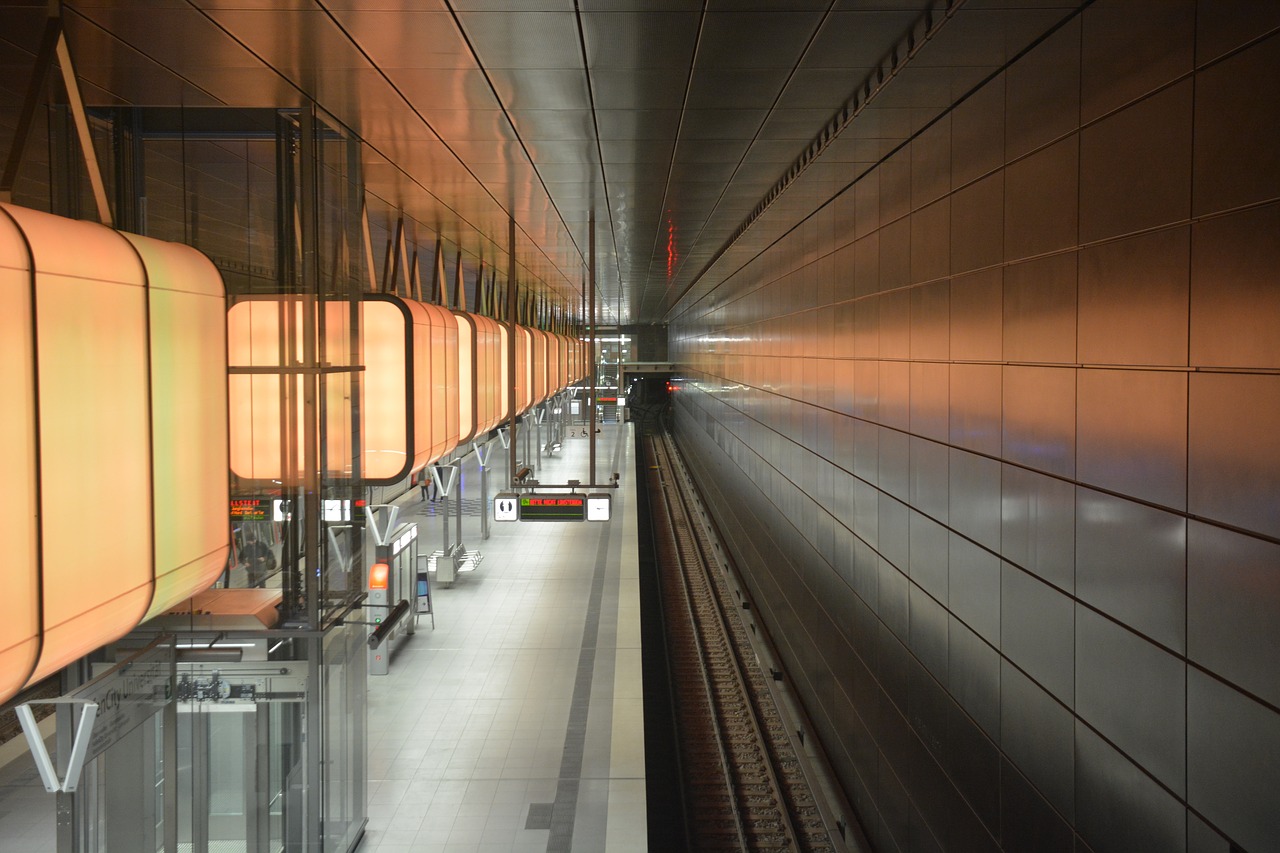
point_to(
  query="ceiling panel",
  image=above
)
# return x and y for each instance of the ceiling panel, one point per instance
(639, 89)
(732, 125)
(643, 152)
(737, 88)
(645, 39)
(541, 88)
(859, 39)
(667, 120)
(524, 40)
(421, 38)
(619, 125)
(771, 39)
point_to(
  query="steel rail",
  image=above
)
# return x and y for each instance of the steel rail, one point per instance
(763, 786)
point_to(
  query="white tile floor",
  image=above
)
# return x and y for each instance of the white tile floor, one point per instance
(526, 694)
(528, 691)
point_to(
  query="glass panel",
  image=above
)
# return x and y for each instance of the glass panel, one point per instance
(343, 697)
(231, 750)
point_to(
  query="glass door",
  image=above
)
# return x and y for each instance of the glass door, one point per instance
(243, 762)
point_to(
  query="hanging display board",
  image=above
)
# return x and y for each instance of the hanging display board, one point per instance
(250, 509)
(553, 507)
(509, 506)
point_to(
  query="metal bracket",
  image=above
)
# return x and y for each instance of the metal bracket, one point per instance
(84, 733)
(445, 476)
(82, 130)
(44, 58)
(382, 520)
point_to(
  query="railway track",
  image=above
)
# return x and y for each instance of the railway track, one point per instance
(744, 788)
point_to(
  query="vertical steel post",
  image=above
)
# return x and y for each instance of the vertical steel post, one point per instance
(530, 462)
(484, 499)
(591, 347)
(444, 516)
(511, 350)
(169, 734)
(458, 489)
(315, 783)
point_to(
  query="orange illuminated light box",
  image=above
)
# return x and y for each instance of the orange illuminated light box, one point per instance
(491, 392)
(555, 377)
(188, 354)
(538, 367)
(504, 372)
(19, 530)
(121, 339)
(408, 398)
(268, 407)
(524, 369)
(468, 378)
(387, 386)
(435, 335)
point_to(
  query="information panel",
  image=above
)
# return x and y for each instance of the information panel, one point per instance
(599, 507)
(250, 509)
(506, 507)
(553, 507)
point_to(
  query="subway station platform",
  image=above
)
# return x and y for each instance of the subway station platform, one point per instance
(516, 724)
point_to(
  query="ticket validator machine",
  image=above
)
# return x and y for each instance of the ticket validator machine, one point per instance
(392, 585)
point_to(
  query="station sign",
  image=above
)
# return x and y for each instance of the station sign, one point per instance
(599, 507)
(336, 510)
(553, 507)
(280, 509)
(250, 509)
(506, 507)
(510, 506)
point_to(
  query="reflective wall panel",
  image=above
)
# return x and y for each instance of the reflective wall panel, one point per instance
(1012, 392)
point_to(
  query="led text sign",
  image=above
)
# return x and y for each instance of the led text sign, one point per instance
(553, 507)
(250, 509)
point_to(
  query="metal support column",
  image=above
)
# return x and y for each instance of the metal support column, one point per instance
(82, 131)
(458, 513)
(44, 58)
(314, 332)
(482, 457)
(591, 348)
(530, 463)
(513, 342)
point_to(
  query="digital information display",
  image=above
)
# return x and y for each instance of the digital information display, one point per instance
(553, 507)
(250, 509)
(509, 506)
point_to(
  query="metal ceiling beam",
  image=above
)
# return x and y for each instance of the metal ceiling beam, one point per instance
(40, 71)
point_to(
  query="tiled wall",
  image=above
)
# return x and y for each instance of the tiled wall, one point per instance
(996, 439)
